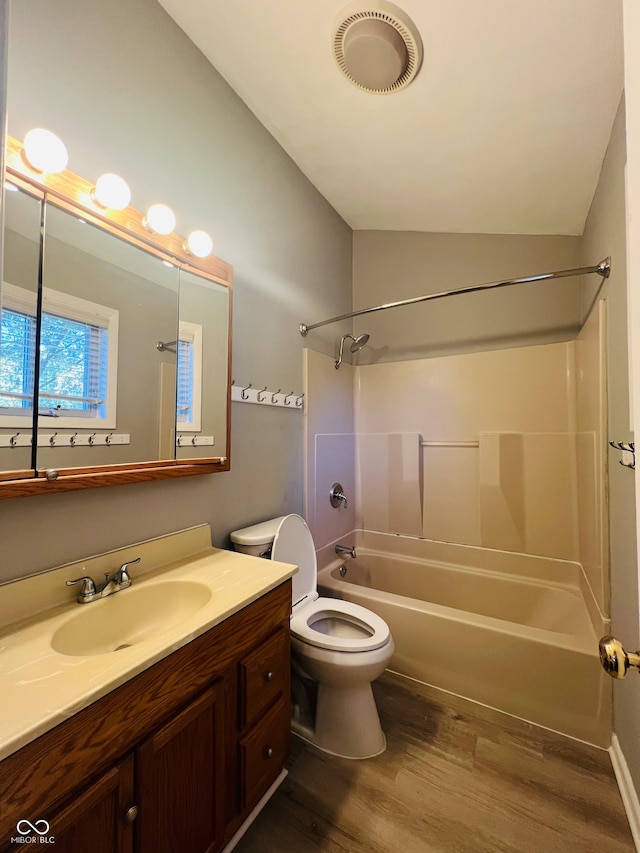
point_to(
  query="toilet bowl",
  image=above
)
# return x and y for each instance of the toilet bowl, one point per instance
(337, 647)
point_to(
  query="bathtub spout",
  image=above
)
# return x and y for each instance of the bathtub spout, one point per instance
(344, 549)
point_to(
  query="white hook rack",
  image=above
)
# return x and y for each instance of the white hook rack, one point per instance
(266, 397)
(628, 450)
(85, 439)
(65, 439)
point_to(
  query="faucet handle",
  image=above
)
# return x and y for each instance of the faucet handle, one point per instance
(124, 574)
(88, 588)
(336, 495)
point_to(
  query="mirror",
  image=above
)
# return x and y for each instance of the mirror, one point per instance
(126, 337)
(18, 301)
(105, 305)
(201, 416)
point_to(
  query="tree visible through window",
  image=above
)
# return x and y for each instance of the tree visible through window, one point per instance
(73, 366)
(17, 346)
(78, 358)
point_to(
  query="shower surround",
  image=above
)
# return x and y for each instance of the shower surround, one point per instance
(502, 451)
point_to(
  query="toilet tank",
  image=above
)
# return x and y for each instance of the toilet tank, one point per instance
(256, 539)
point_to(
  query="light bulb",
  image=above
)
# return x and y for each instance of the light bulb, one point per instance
(43, 151)
(111, 191)
(199, 243)
(160, 219)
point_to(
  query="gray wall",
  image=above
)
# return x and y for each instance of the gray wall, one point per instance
(605, 234)
(127, 92)
(389, 266)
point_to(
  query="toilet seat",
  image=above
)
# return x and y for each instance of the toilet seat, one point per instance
(327, 623)
(358, 629)
(293, 543)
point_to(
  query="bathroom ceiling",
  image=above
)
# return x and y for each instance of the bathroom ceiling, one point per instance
(504, 129)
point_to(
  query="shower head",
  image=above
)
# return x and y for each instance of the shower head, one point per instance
(357, 344)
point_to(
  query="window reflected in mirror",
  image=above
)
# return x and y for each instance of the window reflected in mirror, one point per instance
(201, 418)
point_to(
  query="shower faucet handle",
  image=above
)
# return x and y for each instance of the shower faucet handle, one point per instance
(337, 496)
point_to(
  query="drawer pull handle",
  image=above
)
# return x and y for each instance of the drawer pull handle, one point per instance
(269, 752)
(269, 676)
(131, 815)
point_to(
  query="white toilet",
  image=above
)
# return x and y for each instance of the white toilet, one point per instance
(337, 648)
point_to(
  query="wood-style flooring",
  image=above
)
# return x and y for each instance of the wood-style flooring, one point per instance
(455, 778)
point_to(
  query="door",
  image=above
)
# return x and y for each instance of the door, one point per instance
(98, 819)
(180, 781)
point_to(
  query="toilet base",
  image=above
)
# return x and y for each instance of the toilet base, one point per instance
(346, 723)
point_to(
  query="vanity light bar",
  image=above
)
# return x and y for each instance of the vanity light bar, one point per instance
(41, 160)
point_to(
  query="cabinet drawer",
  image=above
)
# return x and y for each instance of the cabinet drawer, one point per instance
(263, 751)
(264, 674)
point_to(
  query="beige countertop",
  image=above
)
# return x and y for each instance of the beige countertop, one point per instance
(41, 687)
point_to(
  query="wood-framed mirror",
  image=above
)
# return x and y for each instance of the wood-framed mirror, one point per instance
(115, 346)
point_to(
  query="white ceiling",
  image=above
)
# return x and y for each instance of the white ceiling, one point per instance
(503, 131)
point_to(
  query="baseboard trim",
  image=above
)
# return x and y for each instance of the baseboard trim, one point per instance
(233, 841)
(627, 788)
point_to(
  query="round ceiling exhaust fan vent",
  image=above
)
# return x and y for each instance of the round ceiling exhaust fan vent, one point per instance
(377, 47)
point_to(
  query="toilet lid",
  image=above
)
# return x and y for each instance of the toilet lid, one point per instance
(353, 628)
(293, 543)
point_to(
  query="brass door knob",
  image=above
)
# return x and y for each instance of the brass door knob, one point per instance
(615, 659)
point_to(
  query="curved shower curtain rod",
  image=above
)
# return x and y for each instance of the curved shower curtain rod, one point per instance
(603, 269)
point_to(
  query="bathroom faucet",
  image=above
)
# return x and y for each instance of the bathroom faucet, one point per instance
(344, 549)
(114, 582)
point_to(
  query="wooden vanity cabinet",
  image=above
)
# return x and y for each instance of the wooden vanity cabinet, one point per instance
(180, 780)
(265, 729)
(175, 758)
(92, 821)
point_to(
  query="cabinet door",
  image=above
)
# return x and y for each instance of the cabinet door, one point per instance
(180, 779)
(97, 820)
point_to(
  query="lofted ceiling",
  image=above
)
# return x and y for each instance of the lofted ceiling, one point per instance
(504, 129)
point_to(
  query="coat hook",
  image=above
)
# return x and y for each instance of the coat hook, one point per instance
(243, 393)
(261, 398)
(72, 439)
(52, 439)
(299, 400)
(107, 438)
(274, 395)
(290, 394)
(625, 448)
(14, 439)
(92, 439)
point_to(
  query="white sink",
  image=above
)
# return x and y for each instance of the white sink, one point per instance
(129, 617)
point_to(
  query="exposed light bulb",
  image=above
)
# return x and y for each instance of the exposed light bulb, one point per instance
(43, 151)
(199, 243)
(111, 191)
(160, 219)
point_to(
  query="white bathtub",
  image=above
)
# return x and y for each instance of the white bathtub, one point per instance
(511, 631)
